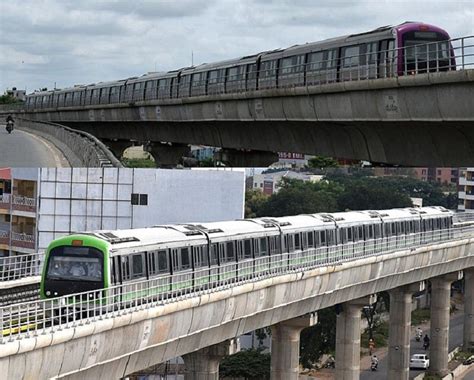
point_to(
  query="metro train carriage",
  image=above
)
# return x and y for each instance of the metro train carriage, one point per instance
(189, 257)
(411, 47)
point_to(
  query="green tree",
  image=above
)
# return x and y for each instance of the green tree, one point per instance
(299, 197)
(250, 364)
(7, 99)
(254, 200)
(376, 196)
(319, 339)
(321, 162)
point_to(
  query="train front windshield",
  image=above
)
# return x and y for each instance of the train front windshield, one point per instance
(435, 51)
(75, 264)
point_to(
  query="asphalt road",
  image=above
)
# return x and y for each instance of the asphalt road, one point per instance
(470, 375)
(21, 149)
(455, 339)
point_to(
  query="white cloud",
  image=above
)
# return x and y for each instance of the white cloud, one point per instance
(85, 41)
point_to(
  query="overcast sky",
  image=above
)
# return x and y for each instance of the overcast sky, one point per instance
(69, 42)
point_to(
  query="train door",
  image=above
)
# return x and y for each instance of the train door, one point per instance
(245, 259)
(182, 278)
(261, 255)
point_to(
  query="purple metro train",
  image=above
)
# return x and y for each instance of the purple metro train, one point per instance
(388, 51)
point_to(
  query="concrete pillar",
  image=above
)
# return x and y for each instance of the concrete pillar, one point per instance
(286, 347)
(468, 342)
(167, 155)
(204, 363)
(348, 338)
(399, 330)
(439, 326)
(243, 158)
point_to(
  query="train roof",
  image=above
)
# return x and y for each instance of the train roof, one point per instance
(167, 236)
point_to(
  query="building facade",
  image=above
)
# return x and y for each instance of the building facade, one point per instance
(269, 183)
(39, 205)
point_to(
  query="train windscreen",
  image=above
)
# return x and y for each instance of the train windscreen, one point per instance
(432, 43)
(75, 264)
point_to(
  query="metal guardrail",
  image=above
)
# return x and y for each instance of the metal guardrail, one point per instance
(47, 316)
(86, 147)
(439, 56)
(462, 217)
(20, 266)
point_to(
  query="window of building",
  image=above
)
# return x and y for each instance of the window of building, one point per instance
(139, 199)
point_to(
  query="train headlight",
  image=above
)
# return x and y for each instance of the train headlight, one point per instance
(48, 293)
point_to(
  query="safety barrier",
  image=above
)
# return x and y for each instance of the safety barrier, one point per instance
(75, 144)
(47, 316)
(20, 266)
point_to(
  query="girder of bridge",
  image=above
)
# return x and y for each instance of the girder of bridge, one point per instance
(421, 120)
(110, 348)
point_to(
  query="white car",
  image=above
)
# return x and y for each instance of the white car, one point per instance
(419, 361)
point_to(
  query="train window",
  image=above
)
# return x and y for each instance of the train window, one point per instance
(370, 53)
(394, 228)
(331, 59)
(184, 85)
(213, 76)
(349, 234)
(214, 254)
(230, 251)
(293, 64)
(125, 268)
(350, 56)
(310, 238)
(247, 248)
(268, 69)
(263, 246)
(198, 79)
(289, 243)
(200, 257)
(137, 266)
(236, 73)
(297, 241)
(322, 237)
(163, 264)
(275, 245)
(316, 61)
(185, 259)
(371, 231)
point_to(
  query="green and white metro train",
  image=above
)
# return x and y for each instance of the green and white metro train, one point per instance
(209, 254)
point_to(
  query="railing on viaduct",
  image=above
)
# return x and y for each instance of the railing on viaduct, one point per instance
(47, 316)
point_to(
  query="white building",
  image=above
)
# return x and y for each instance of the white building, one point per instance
(269, 183)
(66, 200)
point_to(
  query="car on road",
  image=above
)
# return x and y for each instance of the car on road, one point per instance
(419, 361)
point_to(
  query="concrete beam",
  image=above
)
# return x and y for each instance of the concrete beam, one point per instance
(399, 330)
(167, 155)
(118, 146)
(286, 347)
(468, 341)
(203, 364)
(348, 338)
(440, 306)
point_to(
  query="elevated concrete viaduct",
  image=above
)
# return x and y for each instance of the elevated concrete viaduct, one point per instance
(122, 342)
(420, 120)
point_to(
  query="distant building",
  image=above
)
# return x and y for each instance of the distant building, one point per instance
(269, 183)
(39, 205)
(466, 190)
(17, 94)
(439, 175)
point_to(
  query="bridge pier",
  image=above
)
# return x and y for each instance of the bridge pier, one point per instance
(439, 326)
(245, 158)
(468, 341)
(286, 347)
(348, 338)
(118, 146)
(167, 155)
(204, 363)
(399, 330)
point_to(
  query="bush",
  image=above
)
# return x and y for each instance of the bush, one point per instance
(420, 316)
(250, 364)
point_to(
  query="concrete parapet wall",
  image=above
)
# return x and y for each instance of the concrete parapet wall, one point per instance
(80, 148)
(134, 340)
(422, 120)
